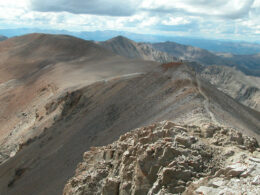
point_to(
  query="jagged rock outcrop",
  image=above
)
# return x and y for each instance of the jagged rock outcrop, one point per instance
(238, 177)
(166, 158)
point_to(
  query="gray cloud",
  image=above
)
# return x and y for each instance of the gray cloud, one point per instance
(217, 8)
(205, 8)
(95, 7)
(207, 3)
(243, 11)
(222, 18)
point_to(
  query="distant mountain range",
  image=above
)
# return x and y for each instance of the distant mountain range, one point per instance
(228, 46)
(249, 64)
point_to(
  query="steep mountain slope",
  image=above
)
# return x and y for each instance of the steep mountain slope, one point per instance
(39, 52)
(61, 95)
(130, 49)
(2, 38)
(99, 113)
(241, 87)
(34, 68)
(249, 64)
(189, 53)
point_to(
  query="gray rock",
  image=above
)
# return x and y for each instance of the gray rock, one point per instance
(164, 158)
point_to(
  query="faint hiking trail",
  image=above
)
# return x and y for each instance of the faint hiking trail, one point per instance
(206, 102)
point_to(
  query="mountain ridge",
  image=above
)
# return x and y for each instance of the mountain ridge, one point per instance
(130, 49)
(242, 87)
(41, 67)
(228, 46)
(169, 92)
(53, 111)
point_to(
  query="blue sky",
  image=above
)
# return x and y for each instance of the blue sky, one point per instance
(221, 19)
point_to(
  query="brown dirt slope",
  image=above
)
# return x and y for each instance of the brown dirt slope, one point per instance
(98, 114)
(37, 67)
(239, 86)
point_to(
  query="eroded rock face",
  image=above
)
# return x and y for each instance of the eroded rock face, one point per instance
(164, 158)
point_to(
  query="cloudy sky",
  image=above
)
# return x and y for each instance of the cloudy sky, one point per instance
(230, 19)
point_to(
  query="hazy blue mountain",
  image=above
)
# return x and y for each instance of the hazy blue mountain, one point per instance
(234, 47)
(249, 64)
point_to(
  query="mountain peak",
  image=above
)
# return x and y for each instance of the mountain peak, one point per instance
(121, 39)
(130, 49)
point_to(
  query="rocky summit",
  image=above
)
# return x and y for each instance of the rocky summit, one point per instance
(169, 158)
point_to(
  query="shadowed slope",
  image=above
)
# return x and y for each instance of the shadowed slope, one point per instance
(249, 64)
(36, 67)
(189, 53)
(241, 87)
(30, 54)
(99, 113)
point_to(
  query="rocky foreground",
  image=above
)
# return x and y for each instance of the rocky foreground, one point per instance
(167, 158)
